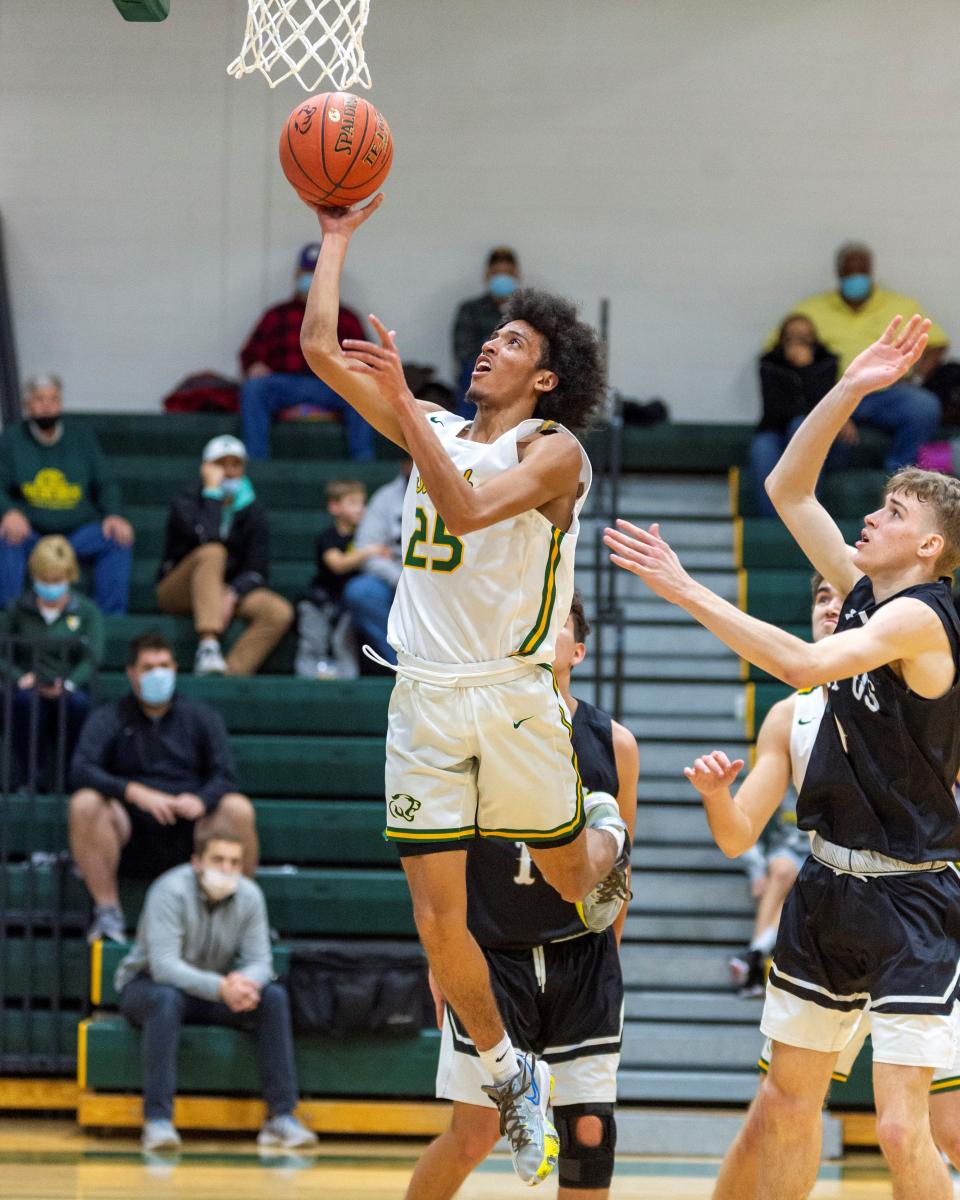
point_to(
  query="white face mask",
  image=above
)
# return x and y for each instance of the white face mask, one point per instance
(218, 884)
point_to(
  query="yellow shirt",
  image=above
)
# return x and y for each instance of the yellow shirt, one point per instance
(846, 331)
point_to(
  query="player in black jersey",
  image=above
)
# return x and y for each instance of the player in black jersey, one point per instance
(873, 922)
(558, 986)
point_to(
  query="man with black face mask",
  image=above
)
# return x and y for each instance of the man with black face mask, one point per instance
(55, 479)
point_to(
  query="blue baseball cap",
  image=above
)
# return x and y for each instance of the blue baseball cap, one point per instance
(308, 256)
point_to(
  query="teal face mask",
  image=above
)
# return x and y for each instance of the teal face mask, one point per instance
(50, 592)
(855, 287)
(239, 490)
(303, 285)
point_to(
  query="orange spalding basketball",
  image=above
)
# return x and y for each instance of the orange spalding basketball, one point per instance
(336, 149)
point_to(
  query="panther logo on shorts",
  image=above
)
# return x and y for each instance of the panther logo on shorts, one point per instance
(404, 812)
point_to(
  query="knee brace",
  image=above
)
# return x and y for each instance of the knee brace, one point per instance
(583, 1166)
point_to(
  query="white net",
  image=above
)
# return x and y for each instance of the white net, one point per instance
(311, 40)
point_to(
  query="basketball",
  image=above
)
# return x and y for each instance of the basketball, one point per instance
(336, 149)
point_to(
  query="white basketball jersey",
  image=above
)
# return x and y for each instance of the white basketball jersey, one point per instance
(493, 594)
(808, 707)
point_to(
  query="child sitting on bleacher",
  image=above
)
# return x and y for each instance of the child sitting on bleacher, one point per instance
(327, 645)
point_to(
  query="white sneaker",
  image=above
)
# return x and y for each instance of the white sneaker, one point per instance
(288, 1132)
(526, 1119)
(209, 659)
(159, 1135)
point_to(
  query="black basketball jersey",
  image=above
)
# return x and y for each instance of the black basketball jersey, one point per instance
(882, 769)
(510, 906)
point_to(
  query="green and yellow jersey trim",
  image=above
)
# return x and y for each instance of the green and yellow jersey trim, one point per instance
(548, 598)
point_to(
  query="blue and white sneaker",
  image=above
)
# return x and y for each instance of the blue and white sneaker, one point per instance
(601, 906)
(526, 1119)
(286, 1132)
(159, 1135)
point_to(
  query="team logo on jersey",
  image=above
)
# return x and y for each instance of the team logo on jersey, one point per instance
(403, 811)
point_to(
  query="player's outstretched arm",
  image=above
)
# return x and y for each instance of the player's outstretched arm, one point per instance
(549, 470)
(736, 822)
(790, 485)
(318, 334)
(905, 630)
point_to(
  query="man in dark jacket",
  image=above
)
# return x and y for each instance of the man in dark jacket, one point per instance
(215, 563)
(55, 479)
(146, 769)
(794, 376)
(478, 317)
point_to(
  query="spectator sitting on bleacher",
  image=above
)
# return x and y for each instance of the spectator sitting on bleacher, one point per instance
(852, 315)
(202, 957)
(215, 563)
(326, 646)
(368, 596)
(55, 479)
(276, 375)
(796, 374)
(478, 317)
(147, 768)
(58, 646)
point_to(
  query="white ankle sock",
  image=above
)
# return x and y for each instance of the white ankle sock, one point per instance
(500, 1060)
(209, 643)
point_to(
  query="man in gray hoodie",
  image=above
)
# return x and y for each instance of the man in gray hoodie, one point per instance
(202, 956)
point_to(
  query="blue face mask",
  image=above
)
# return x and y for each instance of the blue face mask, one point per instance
(501, 285)
(855, 287)
(50, 592)
(156, 685)
(303, 285)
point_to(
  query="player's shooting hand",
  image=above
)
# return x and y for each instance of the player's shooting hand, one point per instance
(713, 773)
(346, 220)
(439, 1000)
(644, 552)
(381, 363)
(895, 353)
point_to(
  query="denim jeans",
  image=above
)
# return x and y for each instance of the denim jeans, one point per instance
(261, 399)
(367, 599)
(159, 1010)
(910, 414)
(111, 566)
(38, 764)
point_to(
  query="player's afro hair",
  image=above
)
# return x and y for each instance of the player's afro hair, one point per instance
(572, 351)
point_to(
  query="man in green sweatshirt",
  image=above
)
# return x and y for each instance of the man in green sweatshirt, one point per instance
(55, 479)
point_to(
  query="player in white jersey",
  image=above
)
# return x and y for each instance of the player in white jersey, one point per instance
(478, 740)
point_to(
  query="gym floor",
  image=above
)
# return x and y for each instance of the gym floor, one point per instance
(52, 1160)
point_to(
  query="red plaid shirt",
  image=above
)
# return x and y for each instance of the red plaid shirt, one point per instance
(276, 340)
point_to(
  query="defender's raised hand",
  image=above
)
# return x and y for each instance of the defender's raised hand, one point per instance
(644, 552)
(713, 772)
(890, 357)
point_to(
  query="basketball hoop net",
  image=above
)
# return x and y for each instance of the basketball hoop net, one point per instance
(312, 40)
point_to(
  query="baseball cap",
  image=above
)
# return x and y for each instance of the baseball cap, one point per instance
(220, 447)
(308, 256)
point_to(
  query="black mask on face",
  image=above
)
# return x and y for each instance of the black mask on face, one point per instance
(45, 423)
